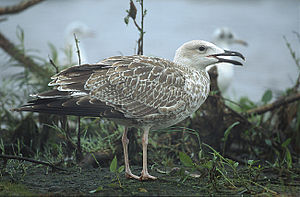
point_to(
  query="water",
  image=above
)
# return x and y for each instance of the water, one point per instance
(168, 24)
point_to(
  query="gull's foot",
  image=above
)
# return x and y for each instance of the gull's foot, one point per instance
(146, 176)
(129, 175)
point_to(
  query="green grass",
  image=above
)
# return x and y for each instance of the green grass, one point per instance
(11, 189)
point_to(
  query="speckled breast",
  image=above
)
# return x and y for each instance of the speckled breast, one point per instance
(196, 90)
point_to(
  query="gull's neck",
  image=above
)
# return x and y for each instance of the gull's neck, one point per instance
(186, 60)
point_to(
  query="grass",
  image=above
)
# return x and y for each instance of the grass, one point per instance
(11, 189)
(217, 175)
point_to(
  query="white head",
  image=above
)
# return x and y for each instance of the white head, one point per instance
(224, 37)
(200, 54)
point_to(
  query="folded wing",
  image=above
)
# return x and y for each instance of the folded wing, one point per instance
(118, 87)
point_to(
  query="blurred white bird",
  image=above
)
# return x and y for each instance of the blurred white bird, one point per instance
(82, 31)
(224, 38)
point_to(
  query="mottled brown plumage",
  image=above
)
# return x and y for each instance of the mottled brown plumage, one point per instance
(137, 91)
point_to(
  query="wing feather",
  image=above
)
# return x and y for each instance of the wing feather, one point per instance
(118, 87)
(139, 86)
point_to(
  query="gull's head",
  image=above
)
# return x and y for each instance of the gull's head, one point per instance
(200, 54)
(225, 37)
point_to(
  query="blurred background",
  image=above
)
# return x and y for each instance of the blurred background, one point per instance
(168, 24)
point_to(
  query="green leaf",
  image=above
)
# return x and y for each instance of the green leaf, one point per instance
(267, 96)
(185, 159)
(288, 158)
(181, 172)
(214, 92)
(121, 169)
(21, 37)
(113, 185)
(246, 103)
(251, 162)
(230, 162)
(227, 132)
(236, 164)
(200, 154)
(143, 190)
(268, 142)
(126, 20)
(286, 143)
(100, 188)
(113, 165)
(20, 34)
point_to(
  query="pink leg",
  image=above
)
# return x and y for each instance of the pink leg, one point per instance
(145, 175)
(125, 143)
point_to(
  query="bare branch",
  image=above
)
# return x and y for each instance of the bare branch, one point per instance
(77, 49)
(53, 64)
(137, 25)
(30, 160)
(19, 7)
(274, 105)
(79, 154)
(295, 58)
(132, 14)
(141, 40)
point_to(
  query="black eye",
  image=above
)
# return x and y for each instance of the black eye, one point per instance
(202, 48)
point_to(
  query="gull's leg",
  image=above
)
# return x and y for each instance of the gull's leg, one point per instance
(125, 143)
(145, 175)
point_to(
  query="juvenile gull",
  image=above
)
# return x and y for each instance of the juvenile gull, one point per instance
(224, 38)
(136, 91)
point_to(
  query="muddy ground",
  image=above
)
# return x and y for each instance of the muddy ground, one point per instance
(76, 181)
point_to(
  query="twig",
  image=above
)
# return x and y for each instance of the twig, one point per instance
(77, 49)
(18, 7)
(137, 25)
(65, 126)
(79, 150)
(265, 188)
(226, 99)
(141, 39)
(30, 160)
(132, 14)
(297, 60)
(274, 105)
(18, 55)
(53, 64)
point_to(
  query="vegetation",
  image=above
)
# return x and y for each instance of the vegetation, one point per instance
(253, 149)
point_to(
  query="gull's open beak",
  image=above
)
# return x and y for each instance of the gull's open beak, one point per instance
(228, 53)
